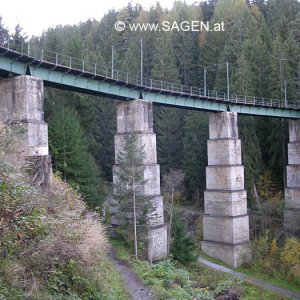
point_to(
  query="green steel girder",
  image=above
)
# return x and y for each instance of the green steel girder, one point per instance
(79, 83)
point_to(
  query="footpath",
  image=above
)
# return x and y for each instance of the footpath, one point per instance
(255, 281)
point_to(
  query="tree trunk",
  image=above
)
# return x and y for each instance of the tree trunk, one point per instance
(171, 216)
(134, 212)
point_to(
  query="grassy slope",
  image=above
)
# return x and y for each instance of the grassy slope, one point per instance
(51, 245)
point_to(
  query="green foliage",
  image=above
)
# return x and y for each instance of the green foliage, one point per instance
(260, 42)
(70, 154)
(267, 188)
(279, 259)
(132, 206)
(51, 246)
(291, 252)
(183, 246)
(168, 126)
(195, 154)
(171, 282)
(68, 281)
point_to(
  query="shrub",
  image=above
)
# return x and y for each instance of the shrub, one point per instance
(290, 254)
(183, 245)
(51, 244)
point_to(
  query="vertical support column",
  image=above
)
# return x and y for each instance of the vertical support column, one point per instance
(22, 100)
(137, 116)
(292, 191)
(225, 220)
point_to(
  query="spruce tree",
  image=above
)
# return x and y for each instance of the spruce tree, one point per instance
(195, 154)
(168, 125)
(70, 155)
(133, 208)
(3, 33)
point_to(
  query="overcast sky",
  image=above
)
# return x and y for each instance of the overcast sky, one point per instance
(37, 15)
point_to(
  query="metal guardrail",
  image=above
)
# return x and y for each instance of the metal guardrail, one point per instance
(93, 69)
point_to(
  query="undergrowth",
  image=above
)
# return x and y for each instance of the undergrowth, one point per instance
(51, 245)
(277, 261)
(173, 280)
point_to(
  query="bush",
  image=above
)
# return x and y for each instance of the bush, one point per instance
(183, 245)
(51, 244)
(171, 282)
(277, 260)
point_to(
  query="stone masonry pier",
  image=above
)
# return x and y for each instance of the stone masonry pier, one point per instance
(137, 116)
(22, 100)
(292, 191)
(225, 220)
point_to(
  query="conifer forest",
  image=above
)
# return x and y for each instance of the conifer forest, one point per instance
(260, 46)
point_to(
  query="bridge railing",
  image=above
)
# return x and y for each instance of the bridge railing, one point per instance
(94, 69)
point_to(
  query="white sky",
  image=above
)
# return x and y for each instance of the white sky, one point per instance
(34, 16)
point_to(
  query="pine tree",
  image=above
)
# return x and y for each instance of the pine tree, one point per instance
(183, 245)
(168, 125)
(19, 39)
(251, 153)
(186, 56)
(133, 208)
(3, 33)
(164, 65)
(195, 157)
(213, 42)
(243, 78)
(70, 154)
(295, 27)
(103, 130)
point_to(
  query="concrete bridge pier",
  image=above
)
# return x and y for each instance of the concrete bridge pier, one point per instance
(137, 116)
(22, 101)
(225, 220)
(292, 191)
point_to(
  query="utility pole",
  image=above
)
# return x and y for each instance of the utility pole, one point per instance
(285, 96)
(204, 75)
(227, 75)
(142, 58)
(112, 60)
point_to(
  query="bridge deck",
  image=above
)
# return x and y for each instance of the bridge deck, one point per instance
(68, 73)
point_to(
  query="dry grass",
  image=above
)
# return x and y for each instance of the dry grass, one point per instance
(41, 231)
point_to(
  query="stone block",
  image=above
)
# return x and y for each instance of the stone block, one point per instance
(225, 203)
(145, 140)
(230, 230)
(21, 98)
(233, 255)
(294, 153)
(134, 115)
(292, 219)
(292, 198)
(294, 129)
(156, 216)
(35, 139)
(224, 152)
(150, 185)
(157, 243)
(293, 176)
(223, 125)
(225, 177)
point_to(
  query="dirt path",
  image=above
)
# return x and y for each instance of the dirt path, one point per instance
(258, 282)
(135, 288)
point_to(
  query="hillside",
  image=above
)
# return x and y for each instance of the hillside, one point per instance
(51, 245)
